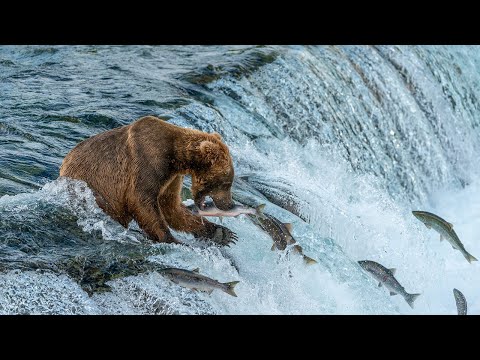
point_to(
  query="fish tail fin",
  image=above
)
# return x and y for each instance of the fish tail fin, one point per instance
(471, 258)
(410, 298)
(230, 287)
(308, 260)
(260, 209)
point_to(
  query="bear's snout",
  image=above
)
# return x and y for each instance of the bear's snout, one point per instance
(223, 200)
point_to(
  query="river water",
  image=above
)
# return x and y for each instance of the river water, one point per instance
(355, 137)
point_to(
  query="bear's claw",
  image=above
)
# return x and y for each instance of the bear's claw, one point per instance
(224, 236)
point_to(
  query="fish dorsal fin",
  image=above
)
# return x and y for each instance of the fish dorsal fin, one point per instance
(259, 211)
(197, 270)
(261, 207)
(273, 247)
(289, 226)
(392, 271)
(450, 224)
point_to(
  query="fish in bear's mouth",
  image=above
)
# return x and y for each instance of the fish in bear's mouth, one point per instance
(200, 203)
(206, 203)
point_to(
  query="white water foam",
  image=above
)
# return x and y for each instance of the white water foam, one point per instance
(357, 212)
(351, 218)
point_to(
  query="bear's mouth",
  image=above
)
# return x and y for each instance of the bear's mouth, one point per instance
(204, 203)
(200, 203)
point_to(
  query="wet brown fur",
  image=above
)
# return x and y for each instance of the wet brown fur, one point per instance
(136, 172)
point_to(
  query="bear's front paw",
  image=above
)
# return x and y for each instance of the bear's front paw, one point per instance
(224, 236)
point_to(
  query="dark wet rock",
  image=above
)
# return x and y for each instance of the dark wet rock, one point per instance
(241, 65)
(277, 192)
(169, 105)
(92, 274)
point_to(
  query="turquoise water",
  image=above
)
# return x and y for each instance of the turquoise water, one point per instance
(354, 136)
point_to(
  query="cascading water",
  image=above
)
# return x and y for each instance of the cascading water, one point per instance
(341, 141)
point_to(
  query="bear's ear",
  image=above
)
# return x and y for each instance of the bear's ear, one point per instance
(217, 135)
(210, 152)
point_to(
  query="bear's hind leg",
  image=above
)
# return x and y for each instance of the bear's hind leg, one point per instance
(123, 218)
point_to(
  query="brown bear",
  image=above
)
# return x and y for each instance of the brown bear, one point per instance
(136, 172)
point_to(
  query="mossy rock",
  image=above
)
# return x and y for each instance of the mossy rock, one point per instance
(186, 193)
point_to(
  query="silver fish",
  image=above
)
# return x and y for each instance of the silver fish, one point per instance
(461, 302)
(281, 235)
(385, 277)
(195, 281)
(209, 209)
(445, 229)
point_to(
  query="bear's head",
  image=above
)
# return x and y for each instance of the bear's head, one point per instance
(214, 175)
